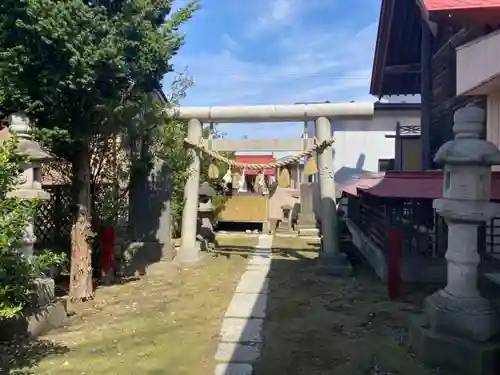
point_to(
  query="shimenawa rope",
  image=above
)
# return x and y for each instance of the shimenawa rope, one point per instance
(277, 164)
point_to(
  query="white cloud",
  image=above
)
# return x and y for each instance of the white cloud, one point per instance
(231, 44)
(311, 66)
(275, 14)
(305, 64)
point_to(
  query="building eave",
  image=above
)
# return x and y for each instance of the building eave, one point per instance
(396, 68)
(381, 46)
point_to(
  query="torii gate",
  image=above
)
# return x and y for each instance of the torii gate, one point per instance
(321, 114)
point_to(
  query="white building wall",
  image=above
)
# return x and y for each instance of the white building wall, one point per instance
(359, 144)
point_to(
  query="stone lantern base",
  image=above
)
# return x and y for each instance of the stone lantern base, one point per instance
(460, 355)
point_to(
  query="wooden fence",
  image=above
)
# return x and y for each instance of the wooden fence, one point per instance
(53, 219)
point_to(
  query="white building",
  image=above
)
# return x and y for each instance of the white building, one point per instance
(370, 145)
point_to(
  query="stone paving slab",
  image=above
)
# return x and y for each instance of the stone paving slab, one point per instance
(258, 260)
(245, 305)
(262, 250)
(263, 268)
(233, 369)
(263, 256)
(241, 330)
(253, 282)
(237, 353)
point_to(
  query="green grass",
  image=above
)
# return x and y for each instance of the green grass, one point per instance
(319, 325)
(166, 323)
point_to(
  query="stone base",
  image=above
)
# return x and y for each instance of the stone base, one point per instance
(47, 318)
(36, 322)
(474, 319)
(307, 218)
(453, 354)
(333, 265)
(189, 256)
(44, 291)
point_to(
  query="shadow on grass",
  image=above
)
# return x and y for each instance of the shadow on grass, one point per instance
(318, 325)
(20, 356)
(247, 251)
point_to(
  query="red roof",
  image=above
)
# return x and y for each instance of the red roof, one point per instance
(464, 12)
(436, 5)
(257, 159)
(364, 182)
(411, 185)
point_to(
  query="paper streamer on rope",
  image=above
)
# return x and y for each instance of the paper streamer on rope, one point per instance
(284, 178)
(311, 168)
(259, 183)
(243, 183)
(236, 180)
(213, 171)
(227, 177)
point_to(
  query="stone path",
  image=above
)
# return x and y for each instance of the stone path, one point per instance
(241, 338)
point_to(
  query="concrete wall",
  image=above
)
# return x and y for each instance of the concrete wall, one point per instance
(478, 72)
(414, 269)
(359, 144)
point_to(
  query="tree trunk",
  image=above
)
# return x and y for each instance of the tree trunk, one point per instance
(81, 288)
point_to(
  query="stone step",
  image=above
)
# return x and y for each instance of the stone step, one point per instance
(299, 226)
(493, 277)
(284, 230)
(308, 232)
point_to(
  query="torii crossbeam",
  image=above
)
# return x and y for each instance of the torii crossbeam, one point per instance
(322, 114)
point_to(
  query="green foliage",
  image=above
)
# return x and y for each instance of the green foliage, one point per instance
(46, 261)
(207, 160)
(74, 65)
(80, 69)
(218, 203)
(15, 272)
(170, 148)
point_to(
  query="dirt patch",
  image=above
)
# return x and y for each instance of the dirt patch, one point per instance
(164, 323)
(319, 325)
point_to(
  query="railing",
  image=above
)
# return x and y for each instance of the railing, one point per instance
(489, 238)
(424, 232)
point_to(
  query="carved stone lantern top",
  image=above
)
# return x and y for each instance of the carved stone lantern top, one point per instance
(206, 193)
(206, 190)
(467, 148)
(19, 123)
(467, 170)
(30, 185)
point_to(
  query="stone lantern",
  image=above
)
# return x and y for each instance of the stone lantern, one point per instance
(205, 231)
(459, 323)
(30, 185)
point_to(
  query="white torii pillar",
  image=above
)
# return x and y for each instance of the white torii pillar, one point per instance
(322, 114)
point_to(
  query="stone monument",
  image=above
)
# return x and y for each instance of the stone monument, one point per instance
(459, 328)
(205, 232)
(306, 223)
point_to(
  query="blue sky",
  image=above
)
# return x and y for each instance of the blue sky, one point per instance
(278, 52)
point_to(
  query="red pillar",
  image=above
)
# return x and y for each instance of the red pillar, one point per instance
(394, 252)
(107, 253)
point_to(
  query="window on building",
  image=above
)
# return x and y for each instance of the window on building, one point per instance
(386, 165)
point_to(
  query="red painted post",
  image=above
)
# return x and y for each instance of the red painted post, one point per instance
(107, 254)
(394, 252)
